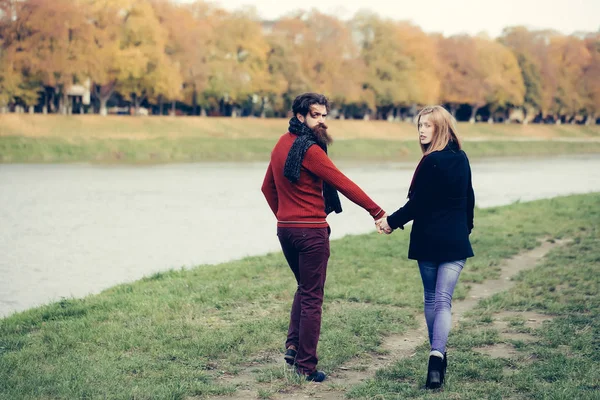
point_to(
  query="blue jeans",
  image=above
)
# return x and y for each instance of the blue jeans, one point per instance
(439, 280)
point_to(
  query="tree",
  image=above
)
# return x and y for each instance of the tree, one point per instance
(146, 72)
(52, 42)
(502, 79)
(110, 56)
(239, 68)
(571, 58)
(421, 49)
(463, 81)
(523, 43)
(591, 78)
(191, 44)
(391, 72)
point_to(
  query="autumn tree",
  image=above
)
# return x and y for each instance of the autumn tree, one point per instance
(191, 44)
(591, 79)
(239, 68)
(571, 58)
(462, 77)
(390, 70)
(54, 43)
(502, 80)
(524, 44)
(146, 71)
(284, 65)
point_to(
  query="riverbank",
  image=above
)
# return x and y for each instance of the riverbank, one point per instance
(155, 140)
(188, 333)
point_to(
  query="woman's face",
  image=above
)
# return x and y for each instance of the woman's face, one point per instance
(426, 129)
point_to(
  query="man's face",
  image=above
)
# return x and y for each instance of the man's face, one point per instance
(316, 115)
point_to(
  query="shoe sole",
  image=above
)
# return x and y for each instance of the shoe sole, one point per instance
(290, 360)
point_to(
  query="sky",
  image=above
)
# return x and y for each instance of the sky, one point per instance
(448, 17)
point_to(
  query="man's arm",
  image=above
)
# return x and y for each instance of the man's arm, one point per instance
(317, 162)
(270, 191)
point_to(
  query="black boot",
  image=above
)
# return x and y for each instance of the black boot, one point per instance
(435, 373)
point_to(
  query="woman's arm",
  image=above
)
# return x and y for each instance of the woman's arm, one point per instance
(470, 201)
(421, 196)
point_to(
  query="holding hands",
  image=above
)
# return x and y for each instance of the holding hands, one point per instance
(383, 226)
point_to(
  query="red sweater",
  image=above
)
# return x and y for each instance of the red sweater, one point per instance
(301, 204)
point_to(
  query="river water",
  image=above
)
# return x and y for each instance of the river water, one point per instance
(70, 230)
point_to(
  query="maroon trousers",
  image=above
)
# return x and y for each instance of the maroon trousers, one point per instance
(307, 252)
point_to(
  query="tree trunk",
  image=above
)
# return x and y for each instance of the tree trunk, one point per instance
(137, 101)
(62, 104)
(263, 107)
(31, 109)
(453, 108)
(528, 112)
(103, 92)
(69, 105)
(103, 108)
(51, 102)
(474, 109)
(590, 119)
(173, 109)
(202, 111)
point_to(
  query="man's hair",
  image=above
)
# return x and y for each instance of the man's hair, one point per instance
(303, 102)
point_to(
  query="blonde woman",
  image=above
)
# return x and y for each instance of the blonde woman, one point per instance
(440, 204)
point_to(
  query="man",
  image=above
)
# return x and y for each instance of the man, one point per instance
(301, 187)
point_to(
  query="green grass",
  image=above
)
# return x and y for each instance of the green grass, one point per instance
(184, 149)
(174, 334)
(558, 361)
(89, 138)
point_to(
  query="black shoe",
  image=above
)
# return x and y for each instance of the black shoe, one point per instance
(435, 373)
(290, 356)
(317, 376)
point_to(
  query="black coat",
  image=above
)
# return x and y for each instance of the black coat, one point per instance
(441, 204)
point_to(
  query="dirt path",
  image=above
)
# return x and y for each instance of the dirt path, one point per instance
(394, 347)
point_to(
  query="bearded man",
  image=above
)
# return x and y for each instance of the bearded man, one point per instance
(301, 186)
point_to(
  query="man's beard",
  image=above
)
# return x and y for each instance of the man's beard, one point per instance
(321, 134)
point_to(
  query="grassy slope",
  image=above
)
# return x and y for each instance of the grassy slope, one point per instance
(93, 126)
(38, 138)
(173, 334)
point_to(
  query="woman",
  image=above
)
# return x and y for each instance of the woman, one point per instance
(440, 204)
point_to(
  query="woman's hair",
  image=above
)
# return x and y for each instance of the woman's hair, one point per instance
(444, 129)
